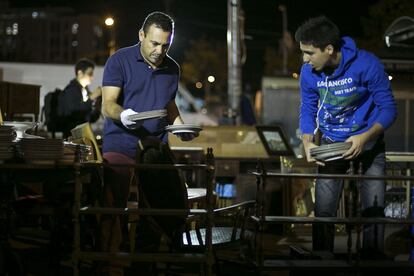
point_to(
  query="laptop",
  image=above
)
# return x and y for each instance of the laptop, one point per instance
(274, 141)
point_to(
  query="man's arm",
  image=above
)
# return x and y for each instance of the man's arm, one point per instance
(174, 117)
(308, 115)
(110, 107)
(173, 114)
(380, 88)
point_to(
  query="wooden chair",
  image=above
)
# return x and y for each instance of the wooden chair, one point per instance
(83, 134)
(230, 226)
(163, 189)
(167, 189)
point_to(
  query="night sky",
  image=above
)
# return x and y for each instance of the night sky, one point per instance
(196, 18)
(209, 17)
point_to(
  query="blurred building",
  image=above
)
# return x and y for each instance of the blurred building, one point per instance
(52, 35)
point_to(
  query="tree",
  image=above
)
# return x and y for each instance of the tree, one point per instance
(273, 61)
(206, 57)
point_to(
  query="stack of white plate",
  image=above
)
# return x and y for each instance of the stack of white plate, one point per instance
(40, 149)
(84, 152)
(330, 152)
(148, 115)
(186, 128)
(20, 128)
(6, 142)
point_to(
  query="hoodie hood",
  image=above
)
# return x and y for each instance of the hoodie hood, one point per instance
(349, 53)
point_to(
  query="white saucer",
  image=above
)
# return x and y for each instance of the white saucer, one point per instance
(188, 128)
(183, 131)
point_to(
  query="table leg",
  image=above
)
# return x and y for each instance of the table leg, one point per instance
(76, 221)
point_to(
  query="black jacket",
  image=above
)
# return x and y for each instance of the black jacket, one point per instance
(74, 110)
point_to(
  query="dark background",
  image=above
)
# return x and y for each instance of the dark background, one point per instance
(209, 17)
(365, 21)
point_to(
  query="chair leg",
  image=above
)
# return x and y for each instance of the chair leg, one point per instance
(132, 233)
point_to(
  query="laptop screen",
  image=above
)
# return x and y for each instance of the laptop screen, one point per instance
(274, 140)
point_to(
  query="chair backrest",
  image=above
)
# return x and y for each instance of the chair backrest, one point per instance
(230, 225)
(161, 189)
(83, 134)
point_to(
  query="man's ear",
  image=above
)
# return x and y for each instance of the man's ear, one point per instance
(330, 49)
(141, 35)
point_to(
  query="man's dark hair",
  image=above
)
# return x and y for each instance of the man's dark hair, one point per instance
(160, 20)
(83, 64)
(319, 32)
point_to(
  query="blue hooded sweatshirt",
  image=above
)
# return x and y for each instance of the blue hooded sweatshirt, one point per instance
(350, 100)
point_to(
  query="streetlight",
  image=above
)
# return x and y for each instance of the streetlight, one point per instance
(199, 85)
(211, 79)
(109, 22)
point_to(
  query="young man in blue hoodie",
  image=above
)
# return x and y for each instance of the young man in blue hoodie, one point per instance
(345, 96)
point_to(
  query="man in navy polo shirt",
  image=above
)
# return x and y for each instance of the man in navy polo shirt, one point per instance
(136, 79)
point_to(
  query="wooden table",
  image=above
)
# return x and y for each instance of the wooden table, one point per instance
(12, 174)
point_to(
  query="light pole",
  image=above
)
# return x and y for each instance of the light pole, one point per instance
(234, 58)
(109, 22)
(283, 10)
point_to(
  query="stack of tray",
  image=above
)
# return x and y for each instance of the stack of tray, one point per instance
(40, 149)
(6, 143)
(148, 115)
(330, 152)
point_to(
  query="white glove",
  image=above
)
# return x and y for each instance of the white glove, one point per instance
(128, 123)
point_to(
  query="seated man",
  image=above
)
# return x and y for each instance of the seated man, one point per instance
(79, 105)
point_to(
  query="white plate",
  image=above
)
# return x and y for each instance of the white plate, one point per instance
(333, 158)
(183, 131)
(183, 128)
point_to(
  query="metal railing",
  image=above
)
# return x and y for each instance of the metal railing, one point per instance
(260, 218)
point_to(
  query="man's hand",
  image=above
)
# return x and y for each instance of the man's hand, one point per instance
(358, 143)
(307, 147)
(128, 123)
(308, 144)
(186, 136)
(96, 93)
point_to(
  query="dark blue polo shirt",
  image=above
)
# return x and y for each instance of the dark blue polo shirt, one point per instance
(143, 89)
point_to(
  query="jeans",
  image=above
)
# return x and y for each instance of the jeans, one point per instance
(115, 195)
(328, 193)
